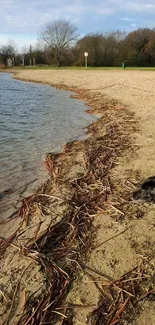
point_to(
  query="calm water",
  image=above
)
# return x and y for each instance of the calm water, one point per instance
(34, 120)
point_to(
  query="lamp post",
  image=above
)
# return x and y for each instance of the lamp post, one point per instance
(86, 55)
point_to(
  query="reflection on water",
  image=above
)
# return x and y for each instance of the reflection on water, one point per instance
(34, 120)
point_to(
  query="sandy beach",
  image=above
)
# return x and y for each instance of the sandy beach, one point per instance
(135, 89)
(123, 240)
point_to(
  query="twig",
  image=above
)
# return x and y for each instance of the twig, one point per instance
(60, 314)
(120, 311)
(52, 197)
(146, 294)
(1, 292)
(117, 210)
(111, 238)
(97, 272)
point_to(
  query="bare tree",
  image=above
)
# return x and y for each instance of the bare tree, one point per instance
(59, 36)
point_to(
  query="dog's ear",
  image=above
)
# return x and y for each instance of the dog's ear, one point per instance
(149, 183)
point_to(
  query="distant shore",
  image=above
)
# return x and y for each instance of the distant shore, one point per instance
(90, 188)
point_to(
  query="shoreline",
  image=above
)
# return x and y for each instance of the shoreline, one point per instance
(107, 199)
(8, 190)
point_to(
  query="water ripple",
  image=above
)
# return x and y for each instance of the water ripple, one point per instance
(34, 120)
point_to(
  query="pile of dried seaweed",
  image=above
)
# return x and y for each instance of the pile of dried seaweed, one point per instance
(121, 297)
(63, 248)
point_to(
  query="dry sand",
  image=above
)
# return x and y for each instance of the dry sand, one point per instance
(136, 90)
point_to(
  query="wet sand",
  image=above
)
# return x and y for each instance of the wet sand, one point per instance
(136, 91)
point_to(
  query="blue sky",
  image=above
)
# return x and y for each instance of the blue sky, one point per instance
(22, 20)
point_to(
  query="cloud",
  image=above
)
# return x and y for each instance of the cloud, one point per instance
(141, 6)
(29, 16)
(134, 5)
(126, 19)
(21, 17)
(133, 25)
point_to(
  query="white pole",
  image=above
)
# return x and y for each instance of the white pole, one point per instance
(86, 55)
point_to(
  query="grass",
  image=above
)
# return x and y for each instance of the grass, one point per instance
(83, 68)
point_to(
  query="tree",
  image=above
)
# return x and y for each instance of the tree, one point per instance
(59, 36)
(149, 48)
(136, 43)
(8, 51)
(103, 49)
(113, 43)
(94, 45)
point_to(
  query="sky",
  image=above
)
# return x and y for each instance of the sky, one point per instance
(22, 20)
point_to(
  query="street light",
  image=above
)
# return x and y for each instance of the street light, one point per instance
(86, 55)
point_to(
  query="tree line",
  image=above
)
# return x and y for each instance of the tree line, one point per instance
(60, 45)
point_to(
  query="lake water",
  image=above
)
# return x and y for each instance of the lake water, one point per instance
(34, 119)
